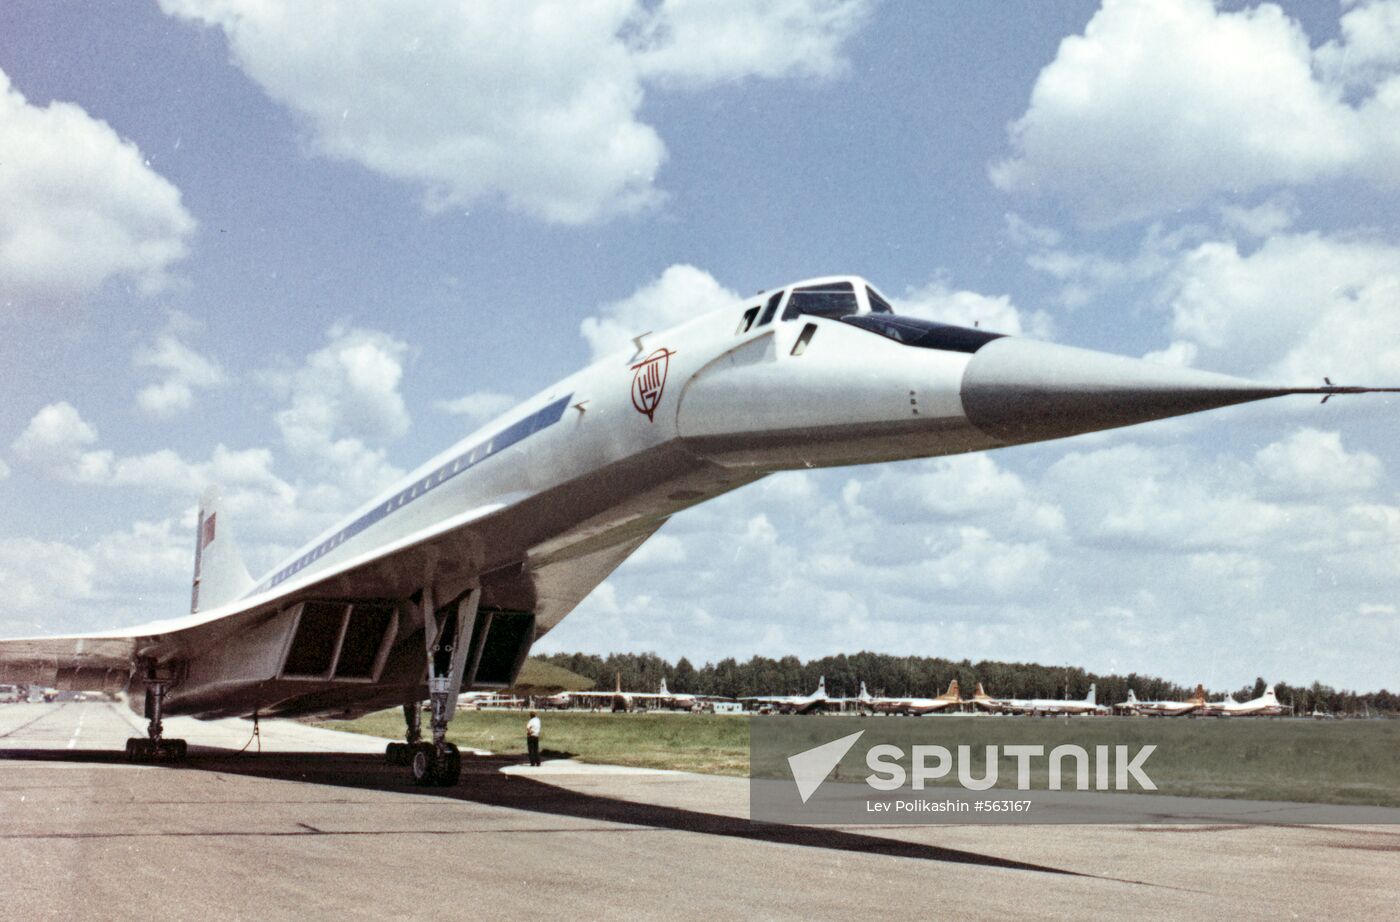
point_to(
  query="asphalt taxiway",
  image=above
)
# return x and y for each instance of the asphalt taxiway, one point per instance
(316, 825)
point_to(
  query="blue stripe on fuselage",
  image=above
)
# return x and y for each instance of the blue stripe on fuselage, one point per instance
(489, 448)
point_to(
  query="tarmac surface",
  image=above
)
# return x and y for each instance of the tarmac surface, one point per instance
(316, 826)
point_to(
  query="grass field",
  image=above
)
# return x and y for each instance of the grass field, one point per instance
(1335, 762)
(688, 742)
(1338, 762)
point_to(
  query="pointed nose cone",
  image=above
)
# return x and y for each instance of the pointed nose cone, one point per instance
(1020, 390)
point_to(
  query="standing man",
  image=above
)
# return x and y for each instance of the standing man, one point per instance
(532, 737)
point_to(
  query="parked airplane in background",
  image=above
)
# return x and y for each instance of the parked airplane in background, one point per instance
(1163, 708)
(684, 701)
(1086, 705)
(444, 581)
(792, 704)
(492, 699)
(911, 706)
(1266, 705)
(619, 700)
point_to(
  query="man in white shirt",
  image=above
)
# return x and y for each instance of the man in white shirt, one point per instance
(532, 737)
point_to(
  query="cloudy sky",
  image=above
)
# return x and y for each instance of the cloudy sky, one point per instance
(293, 249)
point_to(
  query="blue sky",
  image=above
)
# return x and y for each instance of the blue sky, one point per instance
(294, 251)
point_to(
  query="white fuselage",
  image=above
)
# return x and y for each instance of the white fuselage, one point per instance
(1036, 706)
(1165, 708)
(529, 513)
(1266, 705)
(914, 706)
(734, 407)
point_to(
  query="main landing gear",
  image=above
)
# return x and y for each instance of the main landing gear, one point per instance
(432, 766)
(155, 748)
(437, 763)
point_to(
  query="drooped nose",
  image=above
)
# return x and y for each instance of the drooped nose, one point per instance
(1020, 390)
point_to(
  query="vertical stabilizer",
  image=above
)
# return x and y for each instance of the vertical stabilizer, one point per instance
(664, 691)
(821, 688)
(1093, 697)
(219, 573)
(953, 693)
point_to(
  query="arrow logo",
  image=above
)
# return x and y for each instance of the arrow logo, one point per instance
(810, 768)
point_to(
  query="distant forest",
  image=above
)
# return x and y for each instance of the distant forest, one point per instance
(924, 676)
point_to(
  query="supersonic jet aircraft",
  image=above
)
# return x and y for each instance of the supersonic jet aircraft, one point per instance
(443, 582)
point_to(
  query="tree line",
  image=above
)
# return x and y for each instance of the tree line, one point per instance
(927, 676)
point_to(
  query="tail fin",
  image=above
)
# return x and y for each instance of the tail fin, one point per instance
(952, 694)
(1093, 696)
(864, 695)
(980, 692)
(663, 690)
(219, 573)
(1132, 696)
(821, 688)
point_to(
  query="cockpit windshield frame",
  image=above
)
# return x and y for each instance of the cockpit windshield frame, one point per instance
(771, 308)
(834, 300)
(878, 305)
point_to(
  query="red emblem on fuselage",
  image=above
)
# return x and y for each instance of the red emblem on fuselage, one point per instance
(649, 382)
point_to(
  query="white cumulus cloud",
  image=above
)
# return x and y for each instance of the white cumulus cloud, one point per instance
(1298, 307)
(343, 402)
(1310, 462)
(80, 206)
(938, 302)
(479, 406)
(62, 446)
(57, 436)
(680, 293)
(184, 370)
(1161, 104)
(532, 103)
(699, 42)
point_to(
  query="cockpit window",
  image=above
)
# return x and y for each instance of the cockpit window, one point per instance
(771, 308)
(924, 334)
(834, 299)
(878, 305)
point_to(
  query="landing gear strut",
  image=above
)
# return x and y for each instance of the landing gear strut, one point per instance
(402, 753)
(438, 763)
(155, 748)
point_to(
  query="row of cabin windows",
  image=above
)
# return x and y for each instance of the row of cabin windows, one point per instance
(833, 299)
(502, 440)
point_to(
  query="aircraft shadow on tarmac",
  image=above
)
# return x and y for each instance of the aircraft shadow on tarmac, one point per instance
(483, 783)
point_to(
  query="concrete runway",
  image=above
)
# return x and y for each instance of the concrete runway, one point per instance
(317, 826)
